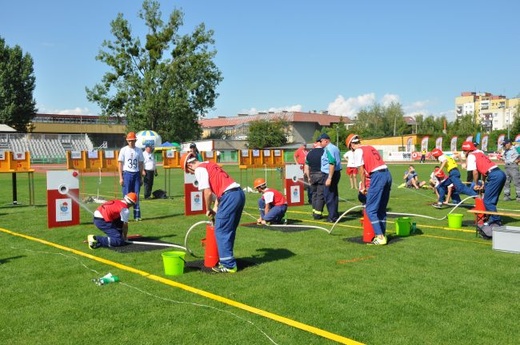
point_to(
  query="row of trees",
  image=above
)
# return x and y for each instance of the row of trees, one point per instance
(379, 121)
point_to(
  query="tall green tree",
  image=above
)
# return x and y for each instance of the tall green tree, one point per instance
(379, 121)
(17, 83)
(263, 133)
(166, 84)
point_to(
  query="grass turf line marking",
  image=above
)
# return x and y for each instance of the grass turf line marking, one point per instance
(266, 314)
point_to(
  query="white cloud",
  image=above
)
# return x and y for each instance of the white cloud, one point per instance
(389, 99)
(350, 107)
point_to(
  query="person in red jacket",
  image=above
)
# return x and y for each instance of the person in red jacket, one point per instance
(479, 163)
(227, 209)
(272, 204)
(369, 163)
(112, 218)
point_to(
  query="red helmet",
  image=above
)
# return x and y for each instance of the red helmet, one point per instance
(131, 136)
(439, 173)
(468, 146)
(131, 198)
(436, 153)
(352, 138)
(259, 182)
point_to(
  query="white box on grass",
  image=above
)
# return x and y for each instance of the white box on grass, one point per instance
(507, 239)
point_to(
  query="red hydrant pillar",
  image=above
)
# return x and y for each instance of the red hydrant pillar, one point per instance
(210, 247)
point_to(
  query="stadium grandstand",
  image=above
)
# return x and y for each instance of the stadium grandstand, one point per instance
(49, 136)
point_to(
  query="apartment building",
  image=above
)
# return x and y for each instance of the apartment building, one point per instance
(494, 112)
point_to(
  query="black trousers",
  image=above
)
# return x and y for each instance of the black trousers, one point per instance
(148, 182)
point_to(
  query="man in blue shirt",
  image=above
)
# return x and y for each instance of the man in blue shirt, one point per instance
(331, 173)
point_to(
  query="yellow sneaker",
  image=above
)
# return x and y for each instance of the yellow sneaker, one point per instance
(378, 241)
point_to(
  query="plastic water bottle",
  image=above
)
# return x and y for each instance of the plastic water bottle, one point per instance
(107, 279)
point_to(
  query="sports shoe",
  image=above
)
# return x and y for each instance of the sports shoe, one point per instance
(378, 241)
(437, 204)
(224, 269)
(506, 198)
(138, 219)
(92, 242)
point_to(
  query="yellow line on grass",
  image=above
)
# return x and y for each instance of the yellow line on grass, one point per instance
(275, 317)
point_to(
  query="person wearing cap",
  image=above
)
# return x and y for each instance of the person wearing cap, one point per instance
(299, 158)
(272, 204)
(227, 210)
(312, 170)
(371, 164)
(112, 218)
(195, 151)
(150, 170)
(453, 172)
(331, 173)
(495, 179)
(511, 158)
(131, 170)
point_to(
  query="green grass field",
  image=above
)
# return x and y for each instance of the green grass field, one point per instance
(438, 286)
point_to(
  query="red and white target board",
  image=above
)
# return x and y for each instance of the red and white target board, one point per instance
(294, 191)
(193, 198)
(62, 198)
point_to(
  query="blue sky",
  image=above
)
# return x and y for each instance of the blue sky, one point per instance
(334, 55)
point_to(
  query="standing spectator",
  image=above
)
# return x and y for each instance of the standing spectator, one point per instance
(272, 204)
(423, 156)
(112, 218)
(495, 179)
(131, 170)
(218, 156)
(511, 158)
(195, 151)
(226, 211)
(453, 172)
(312, 171)
(299, 158)
(331, 171)
(369, 162)
(352, 170)
(150, 170)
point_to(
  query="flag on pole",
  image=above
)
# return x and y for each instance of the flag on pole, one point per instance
(438, 143)
(484, 144)
(453, 144)
(424, 143)
(500, 139)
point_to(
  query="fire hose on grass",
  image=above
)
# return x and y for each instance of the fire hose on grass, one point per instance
(404, 214)
(290, 225)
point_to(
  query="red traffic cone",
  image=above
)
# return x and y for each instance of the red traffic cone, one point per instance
(368, 231)
(479, 206)
(210, 247)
